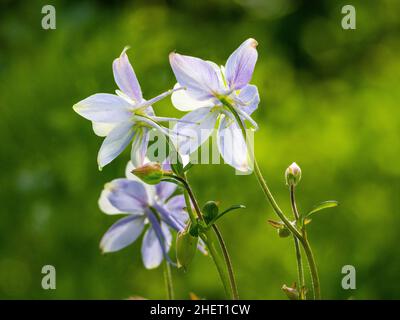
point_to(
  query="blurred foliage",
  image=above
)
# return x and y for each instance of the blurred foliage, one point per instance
(329, 101)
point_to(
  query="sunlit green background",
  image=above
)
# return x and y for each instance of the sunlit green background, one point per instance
(329, 101)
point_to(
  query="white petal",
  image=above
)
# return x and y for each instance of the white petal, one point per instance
(115, 142)
(194, 129)
(198, 76)
(183, 102)
(105, 204)
(139, 147)
(102, 129)
(125, 77)
(240, 64)
(232, 145)
(104, 107)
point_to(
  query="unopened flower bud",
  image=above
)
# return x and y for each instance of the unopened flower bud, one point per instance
(291, 292)
(293, 174)
(283, 232)
(186, 246)
(210, 210)
(150, 173)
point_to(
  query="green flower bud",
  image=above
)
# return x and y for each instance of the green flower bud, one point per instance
(283, 232)
(293, 174)
(186, 246)
(291, 292)
(150, 173)
(210, 211)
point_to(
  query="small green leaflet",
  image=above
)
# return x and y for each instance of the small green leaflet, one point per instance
(322, 206)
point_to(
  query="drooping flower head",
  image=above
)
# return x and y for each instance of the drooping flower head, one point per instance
(207, 85)
(149, 207)
(122, 117)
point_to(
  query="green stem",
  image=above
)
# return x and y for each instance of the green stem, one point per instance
(228, 262)
(232, 282)
(259, 175)
(168, 281)
(312, 265)
(219, 263)
(302, 237)
(300, 268)
(208, 239)
(272, 201)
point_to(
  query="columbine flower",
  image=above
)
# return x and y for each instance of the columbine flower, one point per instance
(122, 117)
(147, 206)
(206, 86)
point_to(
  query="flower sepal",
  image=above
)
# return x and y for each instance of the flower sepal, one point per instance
(186, 245)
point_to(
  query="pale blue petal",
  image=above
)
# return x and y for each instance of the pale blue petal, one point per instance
(104, 107)
(232, 145)
(163, 238)
(167, 216)
(122, 233)
(250, 97)
(198, 76)
(139, 147)
(152, 252)
(165, 190)
(127, 195)
(194, 129)
(115, 143)
(177, 207)
(150, 189)
(240, 65)
(105, 205)
(125, 77)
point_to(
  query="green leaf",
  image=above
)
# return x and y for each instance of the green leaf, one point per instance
(188, 166)
(322, 206)
(234, 207)
(171, 180)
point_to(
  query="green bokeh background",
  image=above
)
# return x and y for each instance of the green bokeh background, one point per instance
(329, 101)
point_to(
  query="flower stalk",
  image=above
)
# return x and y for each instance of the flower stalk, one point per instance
(300, 268)
(227, 275)
(300, 235)
(168, 281)
(208, 239)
